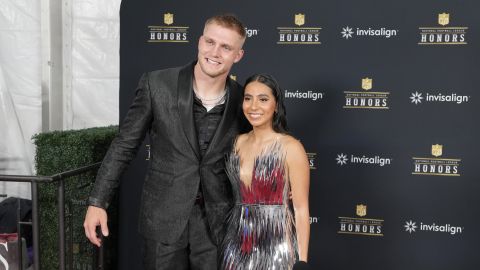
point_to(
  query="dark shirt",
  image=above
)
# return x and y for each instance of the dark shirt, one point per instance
(206, 123)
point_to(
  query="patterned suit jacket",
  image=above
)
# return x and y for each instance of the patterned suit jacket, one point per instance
(163, 108)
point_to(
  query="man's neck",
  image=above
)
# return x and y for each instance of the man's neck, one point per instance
(207, 86)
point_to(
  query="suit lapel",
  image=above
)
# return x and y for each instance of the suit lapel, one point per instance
(229, 115)
(185, 106)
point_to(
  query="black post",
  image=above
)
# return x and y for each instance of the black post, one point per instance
(61, 222)
(19, 235)
(70, 243)
(35, 227)
(101, 254)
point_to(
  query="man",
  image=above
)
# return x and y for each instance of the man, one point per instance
(191, 114)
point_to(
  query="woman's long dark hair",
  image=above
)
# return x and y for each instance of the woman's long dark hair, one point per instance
(280, 115)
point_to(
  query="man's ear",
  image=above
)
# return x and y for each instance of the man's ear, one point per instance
(239, 56)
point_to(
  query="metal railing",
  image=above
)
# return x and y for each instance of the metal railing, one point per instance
(34, 181)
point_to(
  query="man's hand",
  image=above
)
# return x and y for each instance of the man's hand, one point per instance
(95, 216)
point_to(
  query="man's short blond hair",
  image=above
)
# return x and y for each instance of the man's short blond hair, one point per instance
(229, 21)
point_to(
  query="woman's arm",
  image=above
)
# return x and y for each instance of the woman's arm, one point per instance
(299, 174)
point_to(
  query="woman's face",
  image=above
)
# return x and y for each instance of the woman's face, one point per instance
(259, 104)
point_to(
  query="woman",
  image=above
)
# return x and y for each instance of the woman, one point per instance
(267, 164)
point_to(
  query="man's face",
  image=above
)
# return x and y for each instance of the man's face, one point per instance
(218, 49)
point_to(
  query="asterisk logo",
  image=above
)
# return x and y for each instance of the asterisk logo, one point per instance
(347, 32)
(410, 226)
(341, 159)
(416, 97)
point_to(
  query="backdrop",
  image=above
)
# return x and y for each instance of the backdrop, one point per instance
(383, 96)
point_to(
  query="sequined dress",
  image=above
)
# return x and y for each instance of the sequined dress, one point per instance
(260, 233)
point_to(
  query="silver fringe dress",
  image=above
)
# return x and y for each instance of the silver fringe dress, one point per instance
(260, 233)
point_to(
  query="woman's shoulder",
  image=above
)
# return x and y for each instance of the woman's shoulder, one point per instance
(288, 141)
(292, 146)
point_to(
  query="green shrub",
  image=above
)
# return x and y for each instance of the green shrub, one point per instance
(60, 151)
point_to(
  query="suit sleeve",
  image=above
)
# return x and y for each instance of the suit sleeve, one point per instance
(124, 147)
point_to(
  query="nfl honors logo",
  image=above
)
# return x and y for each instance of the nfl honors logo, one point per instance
(361, 210)
(168, 18)
(364, 99)
(443, 19)
(311, 160)
(366, 84)
(360, 225)
(299, 19)
(436, 166)
(168, 32)
(443, 34)
(299, 34)
(437, 150)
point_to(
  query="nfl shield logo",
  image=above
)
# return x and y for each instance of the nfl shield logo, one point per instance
(367, 84)
(299, 19)
(437, 150)
(168, 18)
(361, 210)
(443, 19)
